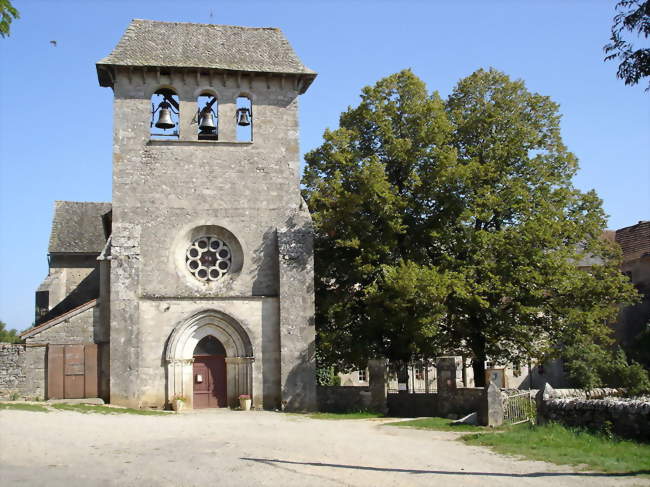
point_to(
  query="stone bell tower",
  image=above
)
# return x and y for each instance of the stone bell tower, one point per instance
(211, 266)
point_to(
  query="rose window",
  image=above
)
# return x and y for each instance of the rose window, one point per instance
(208, 258)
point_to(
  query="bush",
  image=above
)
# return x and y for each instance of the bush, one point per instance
(590, 365)
(325, 376)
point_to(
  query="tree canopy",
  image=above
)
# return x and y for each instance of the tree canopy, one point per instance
(7, 14)
(8, 336)
(452, 226)
(633, 17)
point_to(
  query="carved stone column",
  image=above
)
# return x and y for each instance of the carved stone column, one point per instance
(180, 379)
(239, 371)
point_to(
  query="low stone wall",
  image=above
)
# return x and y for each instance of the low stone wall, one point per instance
(457, 403)
(628, 418)
(342, 399)
(22, 371)
(462, 401)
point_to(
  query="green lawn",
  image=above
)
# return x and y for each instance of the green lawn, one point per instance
(87, 408)
(438, 424)
(23, 407)
(564, 446)
(357, 415)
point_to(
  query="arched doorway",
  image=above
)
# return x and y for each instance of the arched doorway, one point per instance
(209, 370)
(184, 348)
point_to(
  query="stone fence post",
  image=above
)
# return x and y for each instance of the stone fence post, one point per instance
(378, 385)
(541, 397)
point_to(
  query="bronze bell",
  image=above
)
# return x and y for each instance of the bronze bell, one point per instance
(164, 117)
(243, 117)
(207, 121)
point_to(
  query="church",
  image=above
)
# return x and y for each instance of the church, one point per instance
(196, 281)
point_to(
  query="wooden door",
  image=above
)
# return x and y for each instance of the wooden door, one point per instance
(72, 371)
(209, 381)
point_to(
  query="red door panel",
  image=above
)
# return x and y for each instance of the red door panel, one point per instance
(209, 381)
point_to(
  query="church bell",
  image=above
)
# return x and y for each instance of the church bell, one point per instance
(243, 117)
(207, 121)
(164, 117)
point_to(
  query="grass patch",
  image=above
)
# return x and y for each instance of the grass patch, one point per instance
(87, 408)
(564, 446)
(357, 415)
(438, 424)
(18, 406)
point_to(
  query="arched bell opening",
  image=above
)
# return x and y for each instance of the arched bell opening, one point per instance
(205, 335)
(164, 114)
(209, 373)
(207, 117)
(244, 119)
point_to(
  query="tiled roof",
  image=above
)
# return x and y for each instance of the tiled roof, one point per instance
(187, 45)
(634, 240)
(77, 227)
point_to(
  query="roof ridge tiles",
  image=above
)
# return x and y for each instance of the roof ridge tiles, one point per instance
(204, 24)
(182, 45)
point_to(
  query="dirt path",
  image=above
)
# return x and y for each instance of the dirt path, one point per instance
(228, 448)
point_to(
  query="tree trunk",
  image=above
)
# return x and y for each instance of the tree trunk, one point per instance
(478, 361)
(478, 366)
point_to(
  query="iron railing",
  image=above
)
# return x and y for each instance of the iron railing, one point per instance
(518, 408)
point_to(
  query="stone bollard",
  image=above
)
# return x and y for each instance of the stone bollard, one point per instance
(378, 385)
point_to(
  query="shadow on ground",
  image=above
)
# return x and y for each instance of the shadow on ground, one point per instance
(274, 462)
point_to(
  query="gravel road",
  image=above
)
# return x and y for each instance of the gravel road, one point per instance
(229, 448)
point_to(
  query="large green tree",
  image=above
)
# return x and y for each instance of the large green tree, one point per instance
(527, 244)
(369, 189)
(454, 227)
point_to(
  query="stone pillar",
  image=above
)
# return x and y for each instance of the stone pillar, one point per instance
(541, 397)
(449, 374)
(227, 116)
(297, 331)
(378, 384)
(491, 412)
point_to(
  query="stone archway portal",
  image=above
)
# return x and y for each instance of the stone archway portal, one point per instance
(237, 362)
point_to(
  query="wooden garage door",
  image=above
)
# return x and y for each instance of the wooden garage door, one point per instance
(72, 371)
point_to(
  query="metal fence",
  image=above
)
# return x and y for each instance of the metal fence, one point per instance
(518, 408)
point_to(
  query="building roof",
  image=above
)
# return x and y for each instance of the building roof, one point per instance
(149, 43)
(35, 330)
(77, 227)
(634, 240)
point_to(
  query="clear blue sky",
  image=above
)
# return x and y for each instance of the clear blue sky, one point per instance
(56, 122)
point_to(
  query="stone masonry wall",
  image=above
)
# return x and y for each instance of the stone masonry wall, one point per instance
(341, 399)
(22, 371)
(627, 418)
